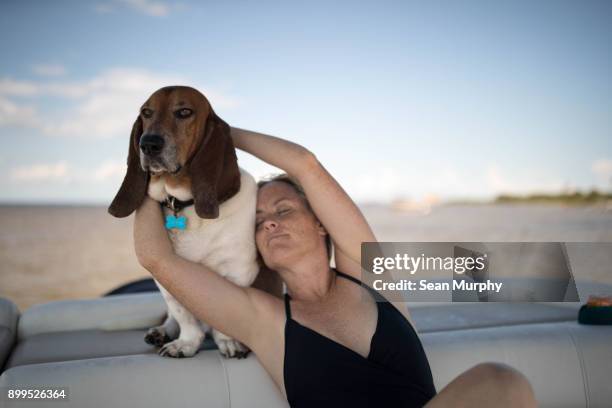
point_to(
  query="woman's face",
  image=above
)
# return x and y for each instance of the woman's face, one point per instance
(285, 228)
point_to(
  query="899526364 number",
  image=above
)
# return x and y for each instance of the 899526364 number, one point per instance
(42, 393)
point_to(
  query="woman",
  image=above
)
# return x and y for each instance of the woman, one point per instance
(340, 348)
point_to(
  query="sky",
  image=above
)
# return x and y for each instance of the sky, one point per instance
(397, 99)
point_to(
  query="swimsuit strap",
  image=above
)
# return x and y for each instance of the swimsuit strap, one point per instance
(349, 277)
(287, 306)
(377, 296)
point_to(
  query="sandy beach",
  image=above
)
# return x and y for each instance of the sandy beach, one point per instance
(61, 252)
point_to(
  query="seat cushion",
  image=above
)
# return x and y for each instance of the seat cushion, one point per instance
(461, 316)
(151, 381)
(83, 344)
(547, 354)
(54, 342)
(120, 312)
(9, 316)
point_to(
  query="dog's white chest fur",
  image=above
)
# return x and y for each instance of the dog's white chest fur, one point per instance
(225, 244)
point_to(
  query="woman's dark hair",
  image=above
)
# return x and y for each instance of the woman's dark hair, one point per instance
(285, 178)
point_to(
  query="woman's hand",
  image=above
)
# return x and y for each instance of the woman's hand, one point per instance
(151, 240)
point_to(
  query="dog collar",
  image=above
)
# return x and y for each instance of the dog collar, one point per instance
(175, 204)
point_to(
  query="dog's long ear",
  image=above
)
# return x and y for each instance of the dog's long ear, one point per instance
(134, 187)
(213, 170)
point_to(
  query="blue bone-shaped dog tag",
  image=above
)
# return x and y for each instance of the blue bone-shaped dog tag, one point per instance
(176, 222)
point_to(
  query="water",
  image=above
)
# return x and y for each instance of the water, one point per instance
(50, 253)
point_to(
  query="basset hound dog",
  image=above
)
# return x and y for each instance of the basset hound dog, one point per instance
(181, 154)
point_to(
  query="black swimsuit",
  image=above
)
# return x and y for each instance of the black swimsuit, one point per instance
(320, 372)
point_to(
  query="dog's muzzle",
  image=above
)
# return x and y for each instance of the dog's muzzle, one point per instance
(151, 145)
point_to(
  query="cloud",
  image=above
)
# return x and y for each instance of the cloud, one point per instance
(602, 168)
(101, 107)
(399, 181)
(41, 172)
(49, 69)
(395, 181)
(146, 7)
(499, 183)
(12, 113)
(496, 181)
(62, 172)
(103, 8)
(382, 184)
(110, 170)
(13, 87)
(151, 8)
(114, 79)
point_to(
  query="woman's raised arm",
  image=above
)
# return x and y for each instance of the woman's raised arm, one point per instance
(337, 212)
(229, 308)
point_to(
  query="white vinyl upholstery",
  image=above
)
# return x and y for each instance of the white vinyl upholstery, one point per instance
(147, 380)
(96, 348)
(9, 315)
(107, 313)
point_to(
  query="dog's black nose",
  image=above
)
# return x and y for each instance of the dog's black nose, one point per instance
(151, 145)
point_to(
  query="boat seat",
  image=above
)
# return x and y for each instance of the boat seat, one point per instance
(95, 347)
(9, 315)
(116, 325)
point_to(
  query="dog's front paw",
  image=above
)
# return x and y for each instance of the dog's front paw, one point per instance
(229, 347)
(179, 349)
(233, 349)
(156, 336)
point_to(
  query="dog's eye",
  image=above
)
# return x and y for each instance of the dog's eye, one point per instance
(147, 113)
(183, 113)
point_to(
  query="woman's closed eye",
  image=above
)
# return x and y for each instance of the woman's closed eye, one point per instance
(282, 211)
